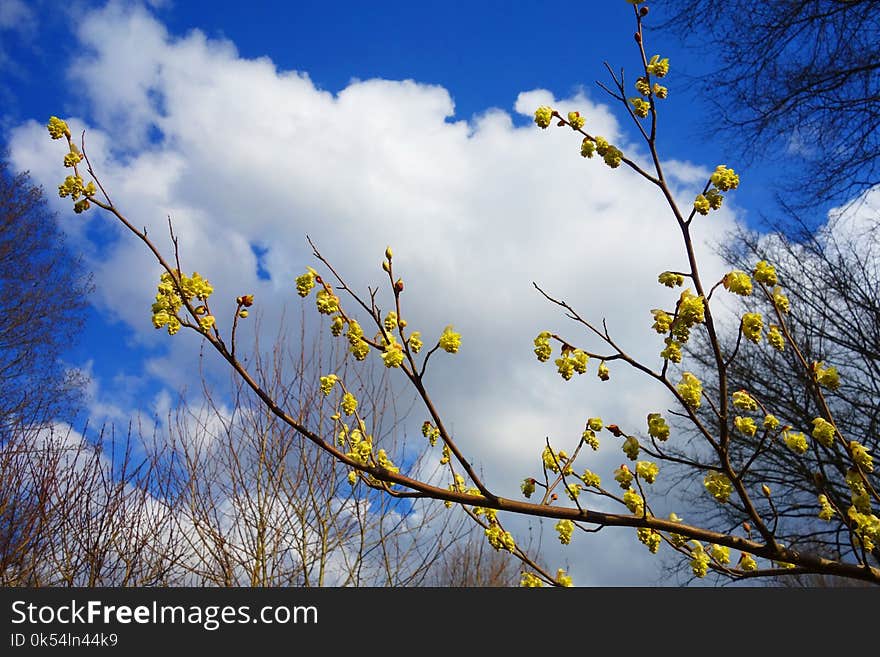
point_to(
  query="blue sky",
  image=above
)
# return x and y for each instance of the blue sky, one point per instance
(193, 110)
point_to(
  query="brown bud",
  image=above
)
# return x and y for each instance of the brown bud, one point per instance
(643, 11)
(747, 527)
(614, 429)
(246, 300)
(319, 280)
(638, 37)
(398, 286)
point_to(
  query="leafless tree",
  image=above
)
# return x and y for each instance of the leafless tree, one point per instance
(833, 276)
(796, 80)
(43, 290)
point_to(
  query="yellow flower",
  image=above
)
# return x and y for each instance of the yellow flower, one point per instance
(657, 427)
(771, 422)
(658, 67)
(795, 441)
(647, 471)
(562, 579)
(826, 511)
(672, 352)
(579, 361)
(72, 158)
(527, 486)
(641, 107)
(691, 390)
(603, 373)
(623, 476)
(827, 377)
(747, 562)
(715, 198)
(326, 302)
(393, 355)
(530, 581)
(591, 479)
(752, 325)
(699, 560)
(543, 350)
(543, 116)
(589, 437)
(565, 366)
(765, 273)
(724, 178)
(306, 282)
(565, 529)
(450, 341)
(576, 120)
(634, 502)
(327, 383)
(349, 403)
(780, 300)
(738, 282)
(415, 342)
(691, 309)
(701, 204)
(718, 485)
(649, 537)
(587, 147)
(613, 157)
(662, 321)
(670, 279)
(72, 187)
(775, 338)
(631, 447)
(549, 459)
(744, 401)
(500, 539)
(745, 425)
(57, 128)
(359, 349)
(823, 431)
(860, 455)
(721, 554)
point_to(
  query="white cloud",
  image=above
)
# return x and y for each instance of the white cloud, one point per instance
(15, 15)
(475, 212)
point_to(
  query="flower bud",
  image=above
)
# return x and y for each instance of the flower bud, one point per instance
(638, 37)
(398, 286)
(388, 253)
(643, 11)
(246, 300)
(386, 266)
(766, 490)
